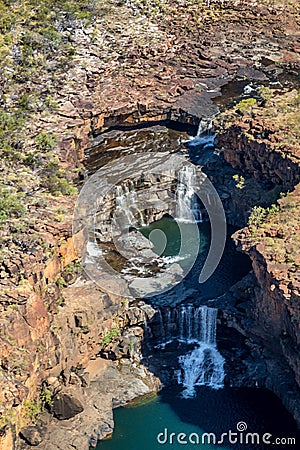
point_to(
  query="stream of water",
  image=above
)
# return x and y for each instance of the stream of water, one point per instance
(186, 200)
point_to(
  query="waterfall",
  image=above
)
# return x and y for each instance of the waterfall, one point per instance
(203, 365)
(126, 205)
(205, 125)
(186, 199)
(187, 323)
(204, 139)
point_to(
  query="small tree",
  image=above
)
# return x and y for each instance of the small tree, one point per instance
(257, 216)
(246, 106)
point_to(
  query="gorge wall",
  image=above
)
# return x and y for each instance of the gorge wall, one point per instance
(271, 241)
(163, 67)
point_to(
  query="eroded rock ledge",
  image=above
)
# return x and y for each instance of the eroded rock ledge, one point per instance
(84, 386)
(161, 67)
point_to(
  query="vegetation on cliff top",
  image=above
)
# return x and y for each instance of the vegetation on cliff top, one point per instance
(33, 46)
(275, 120)
(277, 232)
(36, 49)
(272, 118)
(276, 114)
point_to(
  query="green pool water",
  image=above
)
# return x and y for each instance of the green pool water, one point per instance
(170, 230)
(156, 422)
(170, 240)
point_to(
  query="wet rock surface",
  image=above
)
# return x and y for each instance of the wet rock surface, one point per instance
(155, 67)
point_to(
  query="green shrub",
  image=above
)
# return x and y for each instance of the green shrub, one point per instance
(60, 301)
(61, 283)
(7, 122)
(240, 181)
(32, 409)
(265, 93)
(10, 205)
(32, 159)
(24, 101)
(74, 267)
(51, 103)
(8, 417)
(46, 141)
(51, 34)
(46, 397)
(273, 210)
(259, 214)
(54, 180)
(108, 338)
(17, 227)
(57, 185)
(131, 346)
(246, 106)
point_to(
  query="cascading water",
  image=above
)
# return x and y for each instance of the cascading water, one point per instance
(187, 323)
(203, 365)
(205, 125)
(186, 199)
(204, 138)
(126, 205)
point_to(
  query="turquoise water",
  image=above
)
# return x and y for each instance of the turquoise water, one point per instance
(171, 231)
(184, 241)
(232, 266)
(210, 411)
(137, 427)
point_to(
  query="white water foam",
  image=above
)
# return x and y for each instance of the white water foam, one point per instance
(204, 365)
(126, 205)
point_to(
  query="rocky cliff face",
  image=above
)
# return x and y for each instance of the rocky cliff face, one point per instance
(248, 152)
(84, 386)
(271, 240)
(62, 86)
(63, 352)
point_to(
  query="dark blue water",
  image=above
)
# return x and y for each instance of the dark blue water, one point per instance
(232, 267)
(139, 427)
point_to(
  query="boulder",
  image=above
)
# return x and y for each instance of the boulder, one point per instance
(66, 405)
(32, 435)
